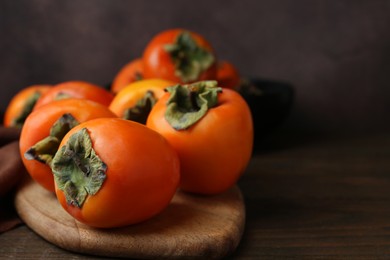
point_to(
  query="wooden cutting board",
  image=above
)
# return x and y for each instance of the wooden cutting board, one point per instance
(190, 227)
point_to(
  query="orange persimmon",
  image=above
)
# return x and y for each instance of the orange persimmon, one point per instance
(135, 100)
(44, 128)
(228, 75)
(113, 172)
(129, 73)
(179, 55)
(211, 129)
(22, 104)
(76, 89)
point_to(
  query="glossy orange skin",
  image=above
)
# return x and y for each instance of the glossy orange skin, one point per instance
(228, 75)
(18, 102)
(215, 151)
(141, 178)
(128, 97)
(127, 74)
(77, 89)
(37, 127)
(158, 63)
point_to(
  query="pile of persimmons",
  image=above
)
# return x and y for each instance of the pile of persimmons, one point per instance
(171, 120)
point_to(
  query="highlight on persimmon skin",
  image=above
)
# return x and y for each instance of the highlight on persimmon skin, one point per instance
(179, 55)
(137, 173)
(38, 126)
(76, 89)
(131, 72)
(22, 104)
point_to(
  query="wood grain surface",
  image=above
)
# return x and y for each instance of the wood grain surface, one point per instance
(305, 198)
(191, 227)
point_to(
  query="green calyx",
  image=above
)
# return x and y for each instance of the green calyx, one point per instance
(187, 104)
(189, 58)
(44, 150)
(78, 170)
(139, 113)
(28, 107)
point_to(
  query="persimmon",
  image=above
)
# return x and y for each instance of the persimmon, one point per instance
(44, 129)
(211, 129)
(135, 101)
(76, 89)
(114, 172)
(179, 55)
(228, 75)
(131, 72)
(22, 104)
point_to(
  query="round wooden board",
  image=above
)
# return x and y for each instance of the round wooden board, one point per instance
(190, 227)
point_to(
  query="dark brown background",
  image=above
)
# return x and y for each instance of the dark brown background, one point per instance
(335, 53)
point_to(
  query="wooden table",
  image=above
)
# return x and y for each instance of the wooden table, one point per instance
(305, 199)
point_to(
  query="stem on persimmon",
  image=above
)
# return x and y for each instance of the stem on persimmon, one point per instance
(189, 103)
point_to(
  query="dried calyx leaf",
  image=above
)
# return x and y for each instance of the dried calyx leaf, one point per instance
(189, 58)
(189, 103)
(27, 108)
(78, 170)
(44, 150)
(139, 113)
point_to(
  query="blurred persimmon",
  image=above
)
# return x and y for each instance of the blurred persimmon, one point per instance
(129, 73)
(227, 75)
(76, 89)
(22, 104)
